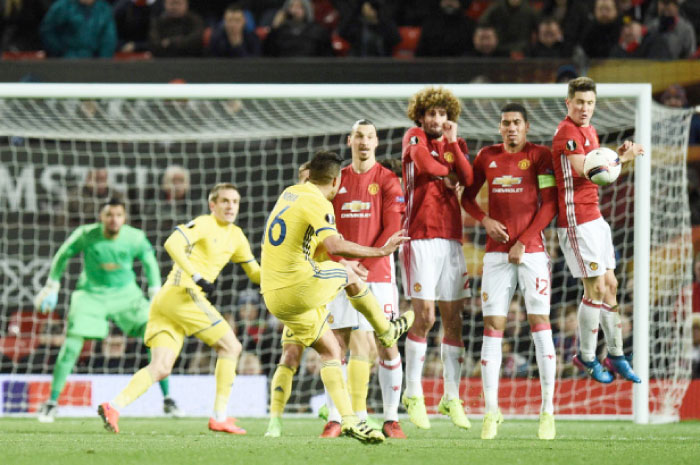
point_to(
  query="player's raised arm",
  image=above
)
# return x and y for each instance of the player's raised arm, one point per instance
(150, 267)
(47, 298)
(420, 154)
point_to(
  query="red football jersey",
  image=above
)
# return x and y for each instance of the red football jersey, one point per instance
(578, 197)
(513, 190)
(432, 209)
(362, 204)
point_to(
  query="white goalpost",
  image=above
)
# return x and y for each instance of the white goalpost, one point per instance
(53, 138)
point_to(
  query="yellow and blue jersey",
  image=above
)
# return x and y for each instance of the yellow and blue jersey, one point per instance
(300, 221)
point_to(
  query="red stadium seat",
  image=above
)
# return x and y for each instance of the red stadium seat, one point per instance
(341, 47)
(406, 49)
(262, 32)
(24, 55)
(206, 37)
(133, 56)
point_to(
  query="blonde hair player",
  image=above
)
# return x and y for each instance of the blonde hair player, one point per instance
(183, 307)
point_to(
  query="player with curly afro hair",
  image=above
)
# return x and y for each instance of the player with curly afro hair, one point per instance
(434, 159)
(433, 97)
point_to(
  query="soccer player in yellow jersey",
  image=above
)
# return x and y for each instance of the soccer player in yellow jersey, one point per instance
(200, 249)
(296, 288)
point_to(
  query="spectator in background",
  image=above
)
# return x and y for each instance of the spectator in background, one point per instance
(249, 364)
(231, 38)
(633, 42)
(133, 20)
(83, 203)
(565, 73)
(633, 9)
(690, 10)
(673, 31)
(19, 23)
(485, 42)
(566, 342)
(79, 29)
(572, 16)
(550, 41)
(514, 21)
(675, 96)
(294, 33)
(604, 32)
(446, 31)
(369, 28)
(177, 32)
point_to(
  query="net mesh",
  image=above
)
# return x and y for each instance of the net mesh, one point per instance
(61, 158)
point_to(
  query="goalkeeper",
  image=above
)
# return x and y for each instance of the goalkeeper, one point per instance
(106, 290)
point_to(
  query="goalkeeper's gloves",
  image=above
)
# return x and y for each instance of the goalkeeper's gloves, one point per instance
(152, 291)
(47, 298)
(207, 287)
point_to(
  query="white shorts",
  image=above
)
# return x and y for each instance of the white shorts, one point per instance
(434, 269)
(344, 315)
(588, 248)
(500, 279)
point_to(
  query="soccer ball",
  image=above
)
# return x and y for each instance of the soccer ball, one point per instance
(602, 166)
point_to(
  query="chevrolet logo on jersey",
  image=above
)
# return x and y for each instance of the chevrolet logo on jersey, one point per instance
(356, 206)
(507, 181)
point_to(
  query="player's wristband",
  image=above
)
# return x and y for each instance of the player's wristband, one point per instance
(52, 285)
(196, 277)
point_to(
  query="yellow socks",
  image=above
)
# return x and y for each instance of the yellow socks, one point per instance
(225, 373)
(332, 377)
(280, 389)
(367, 305)
(138, 384)
(358, 382)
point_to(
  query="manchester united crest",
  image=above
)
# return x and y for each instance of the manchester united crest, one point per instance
(594, 266)
(449, 157)
(484, 296)
(524, 164)
(373, 188)
(417, 287)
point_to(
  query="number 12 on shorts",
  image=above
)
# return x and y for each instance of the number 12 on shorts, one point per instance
(542, 286)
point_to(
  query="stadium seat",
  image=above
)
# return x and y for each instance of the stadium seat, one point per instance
(262, 32)
(341, 47)
(23, 329)
(24, 55)
(406, 49)
(133, 56)
(206, 37)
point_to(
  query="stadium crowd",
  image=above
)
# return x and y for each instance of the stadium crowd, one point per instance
(654, 29)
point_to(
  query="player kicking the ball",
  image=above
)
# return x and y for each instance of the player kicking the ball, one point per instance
(296, 287)
(522, 202)
(200, 250)
(106, 291)
(584, 236)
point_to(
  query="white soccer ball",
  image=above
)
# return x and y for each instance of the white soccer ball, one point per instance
(602, 166)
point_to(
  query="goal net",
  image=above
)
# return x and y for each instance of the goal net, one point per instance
(66, 148)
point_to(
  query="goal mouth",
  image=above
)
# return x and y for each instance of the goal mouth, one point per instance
(53, 137)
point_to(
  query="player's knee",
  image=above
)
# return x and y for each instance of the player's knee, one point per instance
(291, 355)
(229, 346)
(159, 369)
(425, 322)
(611, 287)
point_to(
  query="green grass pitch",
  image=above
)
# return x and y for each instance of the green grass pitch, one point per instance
(187, 441)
